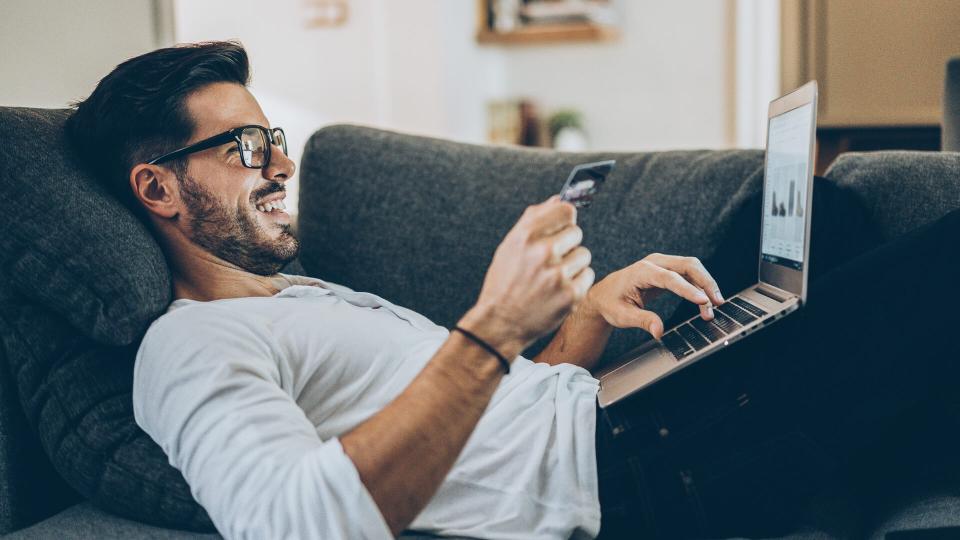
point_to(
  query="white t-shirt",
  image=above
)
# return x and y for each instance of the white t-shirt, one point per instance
(248, 396)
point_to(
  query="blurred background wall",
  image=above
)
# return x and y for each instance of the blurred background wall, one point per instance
(55, 51)
(646, 75)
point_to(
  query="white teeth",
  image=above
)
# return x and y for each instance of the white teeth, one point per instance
(272, 205)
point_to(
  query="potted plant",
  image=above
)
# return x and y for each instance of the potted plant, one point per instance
(566, 130)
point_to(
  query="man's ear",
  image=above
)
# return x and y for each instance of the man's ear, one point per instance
(156, 188)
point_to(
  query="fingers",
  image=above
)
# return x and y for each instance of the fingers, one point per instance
(650, 322)
(563, 242)
(641, 318)
(575, 261)
(706, 311)
(582, 282)
(575, 264)
(693, 270)
(551, 216)
(675, 283)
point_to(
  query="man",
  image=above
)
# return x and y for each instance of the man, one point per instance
(299, 408)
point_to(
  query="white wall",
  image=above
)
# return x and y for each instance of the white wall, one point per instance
(415, 66)
(666, 83)
(757, 68)
(411, 65)
(439, 80)
(54, 52)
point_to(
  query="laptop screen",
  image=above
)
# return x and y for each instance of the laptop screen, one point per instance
(785, 187)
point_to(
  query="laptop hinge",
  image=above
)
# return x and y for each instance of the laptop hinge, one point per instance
(771, 294)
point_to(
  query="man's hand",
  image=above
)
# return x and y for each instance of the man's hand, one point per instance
(538, 273)
(621, 298)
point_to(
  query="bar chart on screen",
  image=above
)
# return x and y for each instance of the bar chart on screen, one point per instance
(786, 180)
(783, 223)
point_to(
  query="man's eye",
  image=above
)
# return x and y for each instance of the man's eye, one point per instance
(232, 150)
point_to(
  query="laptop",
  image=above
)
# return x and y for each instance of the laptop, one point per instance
(781, 286)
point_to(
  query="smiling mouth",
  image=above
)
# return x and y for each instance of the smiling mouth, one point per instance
(272, 206)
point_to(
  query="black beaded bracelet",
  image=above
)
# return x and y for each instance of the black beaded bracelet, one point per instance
(486, 346)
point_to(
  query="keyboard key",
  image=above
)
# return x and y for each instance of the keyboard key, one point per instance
(709, 330)
(676, 345)
(740, 302)
(735, 313)
(727, 324)
(692, 336)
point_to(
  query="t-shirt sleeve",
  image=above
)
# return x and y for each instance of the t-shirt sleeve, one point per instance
(208, 390)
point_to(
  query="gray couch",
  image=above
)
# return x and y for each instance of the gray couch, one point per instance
(409, 218)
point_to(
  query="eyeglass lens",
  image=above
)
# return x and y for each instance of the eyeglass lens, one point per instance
(253, 147)
(280, 140)
(254, 144)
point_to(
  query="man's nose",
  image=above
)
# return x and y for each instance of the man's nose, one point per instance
(281, 167)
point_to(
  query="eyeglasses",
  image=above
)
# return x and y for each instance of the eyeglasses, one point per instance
(254, 144)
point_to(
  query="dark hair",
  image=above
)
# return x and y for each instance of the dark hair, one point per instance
(138, 111)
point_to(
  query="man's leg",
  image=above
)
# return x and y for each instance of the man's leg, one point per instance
(732, 444)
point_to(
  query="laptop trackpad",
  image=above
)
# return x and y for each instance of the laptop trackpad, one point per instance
(652, 362)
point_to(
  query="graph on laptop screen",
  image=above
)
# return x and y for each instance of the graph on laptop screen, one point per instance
(785, 187)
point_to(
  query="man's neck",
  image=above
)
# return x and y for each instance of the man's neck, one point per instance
(204, 277)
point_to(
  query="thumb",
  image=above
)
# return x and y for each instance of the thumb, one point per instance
(647, 320)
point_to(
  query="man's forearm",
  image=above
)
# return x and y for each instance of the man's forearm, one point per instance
(580, 339)
(404, 452)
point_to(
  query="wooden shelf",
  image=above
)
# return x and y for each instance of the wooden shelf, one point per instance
(555, 33)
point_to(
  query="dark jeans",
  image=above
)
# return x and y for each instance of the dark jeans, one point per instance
(743, 441)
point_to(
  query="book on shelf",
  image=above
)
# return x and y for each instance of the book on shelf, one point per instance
(552, 12)
(504, 16)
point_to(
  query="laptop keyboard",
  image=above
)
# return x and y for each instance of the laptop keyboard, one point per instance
(677, 345)
(692, 337)
(741, 303)
(707, 329)
(697, 334)
(738, 314)
(724, 321)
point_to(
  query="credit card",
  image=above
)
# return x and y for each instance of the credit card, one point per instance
(585, 181)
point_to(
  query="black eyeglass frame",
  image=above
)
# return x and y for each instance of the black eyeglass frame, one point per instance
(269, 134)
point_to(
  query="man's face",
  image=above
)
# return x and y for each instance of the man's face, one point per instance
(224, 201)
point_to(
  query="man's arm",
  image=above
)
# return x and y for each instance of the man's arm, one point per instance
(257, 464)
(250, 455)
(618, 301)
(404, 452)
(580, 339)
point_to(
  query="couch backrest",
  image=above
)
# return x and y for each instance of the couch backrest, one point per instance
(416, 219)
(901, 190)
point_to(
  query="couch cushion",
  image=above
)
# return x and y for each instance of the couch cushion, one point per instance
(934, 513)
(901, 190)
(80, 280)
(416, 220)
(68, 244)
(29, 487)
(77, 397)
(84, 521)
